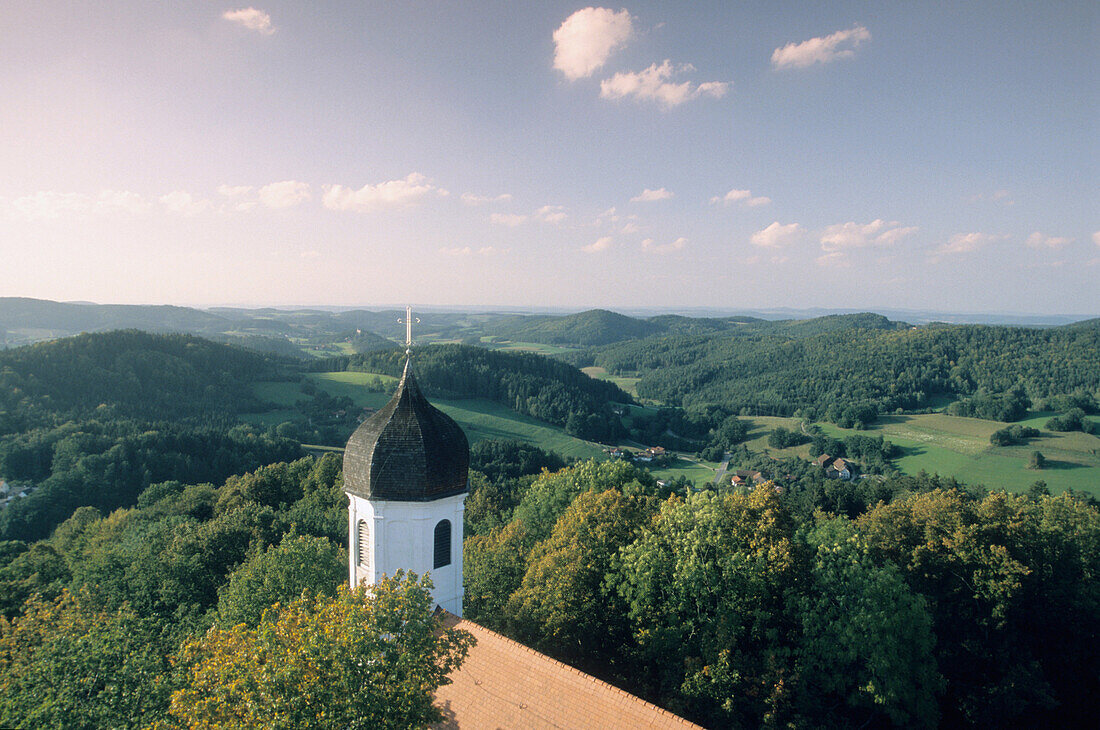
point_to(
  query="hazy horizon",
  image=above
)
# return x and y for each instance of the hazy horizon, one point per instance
(849, 156)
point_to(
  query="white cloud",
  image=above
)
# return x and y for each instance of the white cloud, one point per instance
(507, 219)
(310, 254)
(234, 191)
(474, 199)
(601, 244)
(468, 251)
(252, 19)
(119, 201)
(653, 85)
(1040, 240)
(181, 202)
(285, 194)
(46, 205)
(833, 258)
(740, 196)
(648, 196)
(843, 236)
(390, 194)
(823, 49)
(965, 243)
(678, 244)
(551, 214)
(1096, 238)
(629, 228)
(584, 42)
(547, 214)
(777, 234)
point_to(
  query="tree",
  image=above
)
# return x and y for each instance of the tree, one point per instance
(65, 664)
(1015, 607)
(493, 566)
(299, 565)
(566, 605)
(866, 651)
(362, 659)
(1036, 460)
(706, 583)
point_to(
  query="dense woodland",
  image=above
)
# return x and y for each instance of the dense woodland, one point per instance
(139, 580)
(851, 375)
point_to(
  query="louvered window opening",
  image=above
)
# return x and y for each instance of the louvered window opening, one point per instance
(363, 540)
(442, 544)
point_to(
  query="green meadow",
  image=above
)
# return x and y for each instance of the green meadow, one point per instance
(959, 447)
(935, 443)
(627, 384)
(481, 419)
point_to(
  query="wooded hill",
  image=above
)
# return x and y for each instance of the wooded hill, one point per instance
(822, 369)
(93, 420)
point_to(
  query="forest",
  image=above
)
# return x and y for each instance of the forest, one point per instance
(850, 375)
(168, 549)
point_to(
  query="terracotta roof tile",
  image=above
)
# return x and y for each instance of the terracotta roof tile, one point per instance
(504, 684)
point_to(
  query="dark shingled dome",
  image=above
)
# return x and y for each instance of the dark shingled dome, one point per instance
(409, 451)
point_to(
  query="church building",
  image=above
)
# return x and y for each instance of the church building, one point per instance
(406, 476)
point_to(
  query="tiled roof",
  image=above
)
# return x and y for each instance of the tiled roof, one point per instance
(409, 451)
(504, 684)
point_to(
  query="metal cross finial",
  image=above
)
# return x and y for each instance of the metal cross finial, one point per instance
(408, 322)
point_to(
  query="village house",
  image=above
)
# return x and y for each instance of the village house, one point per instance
(840, 469)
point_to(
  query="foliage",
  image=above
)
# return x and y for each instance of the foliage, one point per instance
(66, 664)
(1010, 582)
(299, 565)
(493, 567)
(1009, 406)
(565, 604)
(550, 494)
(1014, 434)
(706, 585)
(866, 649)
(594, 327)
(1073, 420)
(781, 438)
(498, 459)
(361, 659)
(853, 370)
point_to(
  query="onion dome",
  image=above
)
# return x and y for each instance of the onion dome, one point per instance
(409, 451)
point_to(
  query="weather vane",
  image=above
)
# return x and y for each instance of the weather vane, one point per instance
(408, 322)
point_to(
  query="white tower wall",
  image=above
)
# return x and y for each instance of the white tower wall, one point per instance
(401, 535)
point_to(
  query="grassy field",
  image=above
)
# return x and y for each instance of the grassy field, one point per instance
(698, 472)
(537, 347)
(959, 447)
(628, 384)
(480, 419)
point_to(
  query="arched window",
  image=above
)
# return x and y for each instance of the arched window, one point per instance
(442, 544)
(363, 539)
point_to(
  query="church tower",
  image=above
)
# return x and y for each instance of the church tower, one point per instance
(406, 471)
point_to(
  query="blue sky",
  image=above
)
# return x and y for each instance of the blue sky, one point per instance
(730, 155)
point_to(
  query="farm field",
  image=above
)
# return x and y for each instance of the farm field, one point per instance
(959, 447)
(628, 384)
(537, 347)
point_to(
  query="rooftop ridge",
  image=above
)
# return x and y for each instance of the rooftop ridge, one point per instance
(620, 694)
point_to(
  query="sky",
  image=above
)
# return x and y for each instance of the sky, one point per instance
(918, 155)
